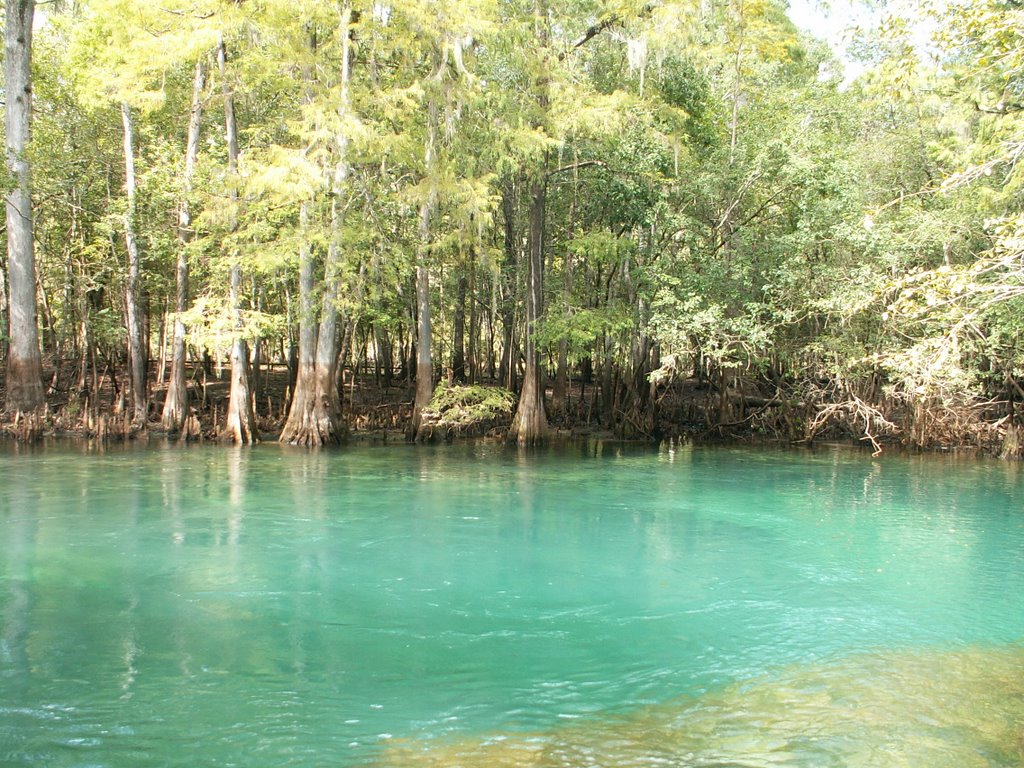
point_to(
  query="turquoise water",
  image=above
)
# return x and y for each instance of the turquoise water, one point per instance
(587, 605)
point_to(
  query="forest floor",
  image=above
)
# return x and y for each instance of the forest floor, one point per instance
(371, 411)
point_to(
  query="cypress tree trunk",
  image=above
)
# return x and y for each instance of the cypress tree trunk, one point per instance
(240, 425)
(384, 356)
(472, 353)
(176, 399)
(304, 424)
(530, 424)
(424, 360)
(327, 346)
(424, 363)
(560, 390)
(314, 418)
(459, 340)
(24, 363)
(3, 310)
(507, 364)
(137, 353)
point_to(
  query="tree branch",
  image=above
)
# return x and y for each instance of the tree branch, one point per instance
(200, 16)
(577, 166)
(596, 29)
(593, 32)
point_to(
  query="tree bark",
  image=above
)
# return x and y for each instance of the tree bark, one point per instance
(507, 364)
(314, 418)
(459, 340)
(472, 352)
(240, 425)
(176, 399)
(24, 363)
(424, 341)
(137, 354)
(560, 390)
(3, 311)
(303, 426)
(530, 424)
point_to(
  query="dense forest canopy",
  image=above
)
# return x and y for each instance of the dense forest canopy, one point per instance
(648, 216)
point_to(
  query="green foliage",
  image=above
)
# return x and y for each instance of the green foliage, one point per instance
(465, 408)
(713, 193)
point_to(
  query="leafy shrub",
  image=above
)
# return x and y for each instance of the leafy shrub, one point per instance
(471, 409)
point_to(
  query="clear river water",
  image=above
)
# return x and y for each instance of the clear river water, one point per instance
(473, 605)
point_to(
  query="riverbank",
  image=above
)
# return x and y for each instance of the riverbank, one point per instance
(378, 410)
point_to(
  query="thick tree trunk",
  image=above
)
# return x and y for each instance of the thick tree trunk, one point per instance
(176, 399)
(24, 363)
(530, 424)
(314, 418)
(309, 420)
(137, 346)
(240, 425)
(327, 346)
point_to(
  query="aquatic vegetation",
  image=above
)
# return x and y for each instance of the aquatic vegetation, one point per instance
(953, 709)
(470, 409)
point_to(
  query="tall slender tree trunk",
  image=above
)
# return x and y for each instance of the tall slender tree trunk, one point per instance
(137, 352)
(176, 399)
(3, 311)
(530, 424)
(314, 418)
(327, 359)
(737, 83)
(507, 364)
(240, 425)
(459, 331)
(560, 390)
(302, 426)
(473, 350)
(24, 363)
(424, 341)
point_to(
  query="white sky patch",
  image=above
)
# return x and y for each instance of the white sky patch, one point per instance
(836, 20)
(834, 23)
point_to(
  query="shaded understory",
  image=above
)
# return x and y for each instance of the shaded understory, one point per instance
(691, 408)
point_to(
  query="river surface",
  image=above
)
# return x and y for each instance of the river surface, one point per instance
(473, 605)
